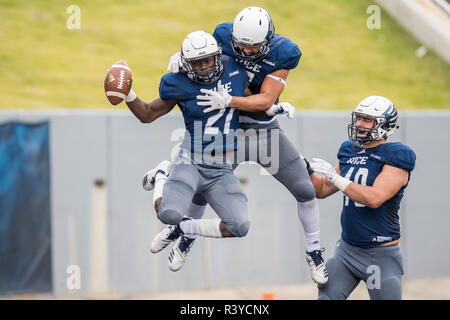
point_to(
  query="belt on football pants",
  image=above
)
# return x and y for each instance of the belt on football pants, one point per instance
(390, 243)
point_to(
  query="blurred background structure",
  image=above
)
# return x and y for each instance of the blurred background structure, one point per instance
(74, 219)
(45, 64)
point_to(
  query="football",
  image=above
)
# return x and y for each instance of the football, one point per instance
(118, 82)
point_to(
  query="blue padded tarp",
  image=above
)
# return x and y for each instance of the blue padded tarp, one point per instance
(25, 233)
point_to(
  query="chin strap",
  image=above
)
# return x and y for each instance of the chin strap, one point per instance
(357, 145)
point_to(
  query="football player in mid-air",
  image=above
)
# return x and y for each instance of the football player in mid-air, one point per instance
(267, 57)
(373, 174)
(201, 165)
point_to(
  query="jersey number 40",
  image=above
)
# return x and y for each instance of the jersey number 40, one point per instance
(360, 178)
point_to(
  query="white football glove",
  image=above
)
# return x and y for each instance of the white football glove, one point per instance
(175, 63)
(217, 100)
(325, 169)
(281, 108)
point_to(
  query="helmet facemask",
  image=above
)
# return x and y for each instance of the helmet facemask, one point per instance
(363, 134)
(262, 52)
(380, 129)
(208, 75)
(252, 27)
(379, 109)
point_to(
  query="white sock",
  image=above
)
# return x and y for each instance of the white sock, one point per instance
(308, 213)
(189, 227)
(195, 212)
(160, 180)
(203, 227)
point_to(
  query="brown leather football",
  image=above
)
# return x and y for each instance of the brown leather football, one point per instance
(118, 82)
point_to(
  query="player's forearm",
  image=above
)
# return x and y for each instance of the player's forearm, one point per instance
(141, 110)
(366, 195)
(253, 103)
(147, 112)
(322, 186)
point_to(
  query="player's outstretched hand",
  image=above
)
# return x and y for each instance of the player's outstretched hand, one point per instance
(323, 168)
(281, 108)
(175, 63)
(118, 82)
(219, 99)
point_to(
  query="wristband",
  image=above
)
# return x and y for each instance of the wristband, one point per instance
(308, 167)
(340, 182)
(131, 96)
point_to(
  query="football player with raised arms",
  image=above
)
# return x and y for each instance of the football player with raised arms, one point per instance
(207, 134)
(267, 57)
(373, 174)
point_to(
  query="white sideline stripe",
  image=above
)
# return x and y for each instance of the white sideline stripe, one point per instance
(115, 94)
(120, 66)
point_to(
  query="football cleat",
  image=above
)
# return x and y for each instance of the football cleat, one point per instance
(179, 252)
(319, 272)
(164, 167)
(166, 236)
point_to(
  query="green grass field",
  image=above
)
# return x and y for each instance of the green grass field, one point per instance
(45, 65)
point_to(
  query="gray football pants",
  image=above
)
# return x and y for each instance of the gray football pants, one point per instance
(215, 183)
(381, 268)
(284, 162)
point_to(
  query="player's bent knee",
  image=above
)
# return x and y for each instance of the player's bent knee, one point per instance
(238, 229)
(304, 191)
(170, 216)
(242, 229)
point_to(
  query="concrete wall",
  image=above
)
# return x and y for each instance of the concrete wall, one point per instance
(106, 231)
